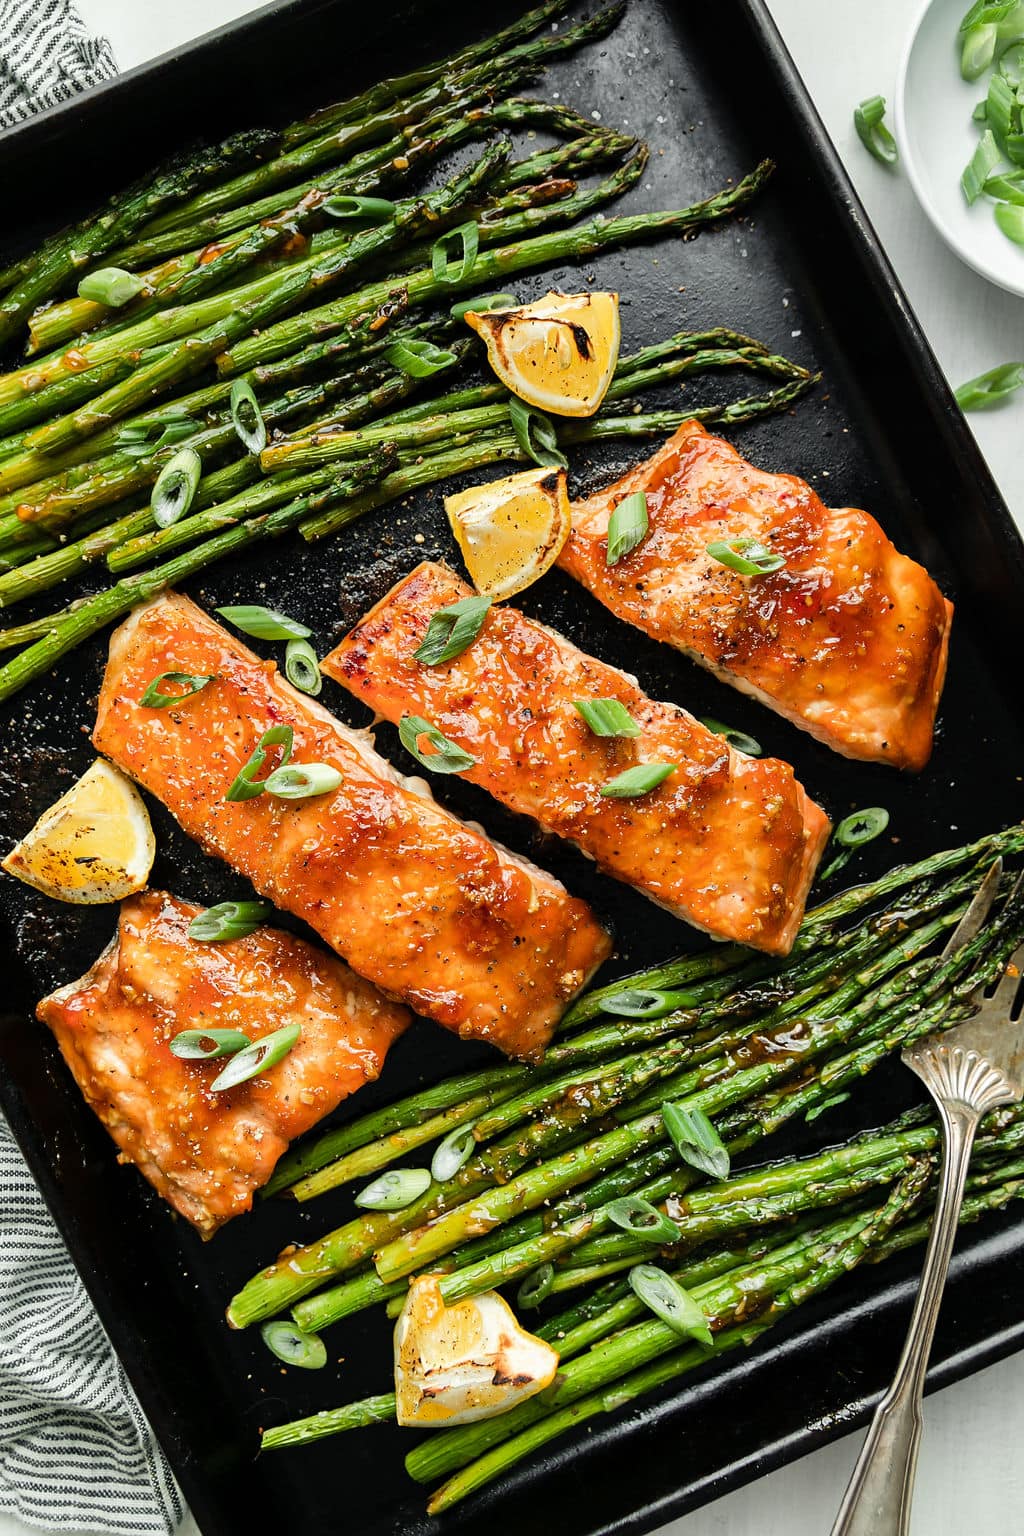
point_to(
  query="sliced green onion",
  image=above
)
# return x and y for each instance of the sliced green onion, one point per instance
(191, 683)
(819, 1109)
(257, 1058)
(1001, 104)
(247, 786)
(247, 416)
(1014, 147)
(452, 1154)
(376, 209)
(1011, 64)
(483, 305)
(264, 623)
(746, 556)
(208, 1044)
(536, 1288)
(991, 388)
(667, 1300)
(394, 1190)
(627, 527)
(446, 757)
(535, 434)
(607, 717)
(638, 1216)
(144, 442)
(982, 163)
(452, 630)
(228, 920)
(1008, 188)
(861, 827)
(984, 13)
(112, 286)
(637, 781)
(1010, 218)
(302, 668)
(872, 132)
(419, 359)
(738, 739)
(453, 254)
(175, 487)
(290, 1344)
(696, 1140)
(978, 51)
(646, 1002)
(980, 113)
(301, 781)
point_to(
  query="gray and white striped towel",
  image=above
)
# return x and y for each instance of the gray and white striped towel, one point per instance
(75, 1450)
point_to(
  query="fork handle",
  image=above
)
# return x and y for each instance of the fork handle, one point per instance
(878, 1497)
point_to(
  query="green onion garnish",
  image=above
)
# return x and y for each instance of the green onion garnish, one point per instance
(667, 1300)
(535, 434)
(247, 416)
(1007, 187)
(190, 682)
(419, 359)
(696, 1140)
(536, 1288)
(853, 832)
(978, 51)
(301, 667)
(175, 487)
(144, 442)
(264, 623)
(300, 781)
(258, 1057)
(1010, 218)
(1001, 106)
(627, 527)
(375, 209)
(394, 1190)
(819, 1109)
(452, 1154)
(483, 305)
(646, 1002)
(1011, 64)
(872, 132)
(745, 556)
(634, 1214)
(980, 113)
(112, 286)
(453, 254)
(738, 739)
(228, 920)
(982, 163)
(607, 717)
(246, 786)
(637, 781)
(985, 13)
(991, 388)
(446, 757)
(452, 630)
(208, 1044)
(290, 1344)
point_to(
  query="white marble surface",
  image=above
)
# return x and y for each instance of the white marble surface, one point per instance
(971, 1475)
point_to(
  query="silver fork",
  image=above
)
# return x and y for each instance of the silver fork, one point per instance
(967, 1071)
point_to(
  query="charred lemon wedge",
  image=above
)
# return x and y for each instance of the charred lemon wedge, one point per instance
(511, 531)
(559, 353)
(95, 844)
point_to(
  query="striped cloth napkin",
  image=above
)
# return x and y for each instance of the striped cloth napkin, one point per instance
(76, 1452)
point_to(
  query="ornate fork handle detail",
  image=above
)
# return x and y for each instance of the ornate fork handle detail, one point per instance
(877, 1502)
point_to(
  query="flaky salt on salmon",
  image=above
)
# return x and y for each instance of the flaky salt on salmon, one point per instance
(207, 1153)
(727, 842)
(423, 906)
(848, 640)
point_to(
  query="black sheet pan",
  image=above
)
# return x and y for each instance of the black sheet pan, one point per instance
(713, 90)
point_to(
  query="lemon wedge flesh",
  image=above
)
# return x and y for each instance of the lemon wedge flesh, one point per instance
(558, 353)
(511, 531)
(94, 845)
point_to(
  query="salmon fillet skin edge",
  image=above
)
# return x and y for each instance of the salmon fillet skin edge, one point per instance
(847, 640)
(207, 1153)
(429, 910)
(727, 842)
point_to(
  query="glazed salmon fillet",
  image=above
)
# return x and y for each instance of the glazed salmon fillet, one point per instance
(848, 640)
(207, 1153)
(727, 842)
(418, 903)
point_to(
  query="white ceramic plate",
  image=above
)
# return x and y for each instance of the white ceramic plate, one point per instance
(937, 138)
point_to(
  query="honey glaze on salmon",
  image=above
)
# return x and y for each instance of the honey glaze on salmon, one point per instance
(207, 1153)
(727, 842)
(426, 908)
(848, 639)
